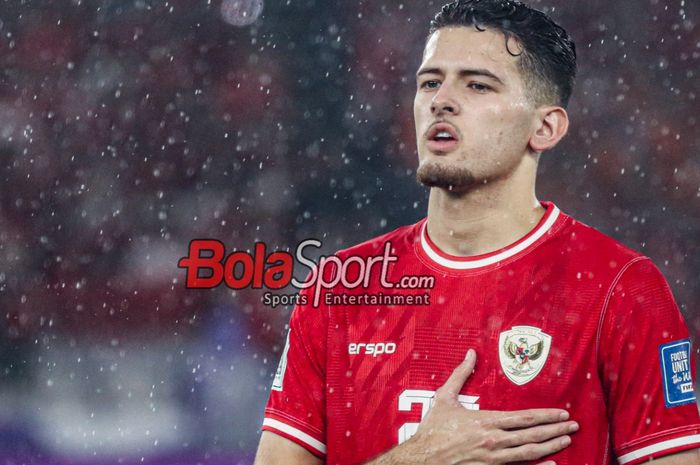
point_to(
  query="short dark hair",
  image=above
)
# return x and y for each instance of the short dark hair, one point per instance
(548, 56)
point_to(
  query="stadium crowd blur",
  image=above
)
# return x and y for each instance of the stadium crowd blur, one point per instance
(129, 128)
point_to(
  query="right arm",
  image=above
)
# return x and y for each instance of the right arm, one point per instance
(453, 435)
(276, 450)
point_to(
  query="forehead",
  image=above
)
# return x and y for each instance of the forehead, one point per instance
(452, 48)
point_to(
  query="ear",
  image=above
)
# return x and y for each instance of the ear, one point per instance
(552, 124)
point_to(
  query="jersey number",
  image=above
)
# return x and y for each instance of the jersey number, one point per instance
(425, 399)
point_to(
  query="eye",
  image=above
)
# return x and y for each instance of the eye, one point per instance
(430, 84)
(479, 87)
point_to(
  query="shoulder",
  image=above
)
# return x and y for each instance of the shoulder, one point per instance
(632, 283)
(604, 261)
(583, 238)
(640, 276)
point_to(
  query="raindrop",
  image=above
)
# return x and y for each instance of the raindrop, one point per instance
(241, 12)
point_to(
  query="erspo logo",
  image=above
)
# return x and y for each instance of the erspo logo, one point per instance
(373, 349)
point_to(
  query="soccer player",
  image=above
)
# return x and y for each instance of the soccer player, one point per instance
(583, 356)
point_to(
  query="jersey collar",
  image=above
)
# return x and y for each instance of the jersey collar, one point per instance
(433, 253)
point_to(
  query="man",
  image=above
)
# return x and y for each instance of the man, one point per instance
(565, 321)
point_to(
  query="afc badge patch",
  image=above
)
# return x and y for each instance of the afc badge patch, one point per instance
(523, 351)
(676, 374)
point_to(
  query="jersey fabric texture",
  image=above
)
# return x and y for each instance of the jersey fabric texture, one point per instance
(565, 317)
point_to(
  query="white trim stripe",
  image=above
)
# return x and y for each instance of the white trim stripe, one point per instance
(658, 447)
(300, 435)
(469, 265)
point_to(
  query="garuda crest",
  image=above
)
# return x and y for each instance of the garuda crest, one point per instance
(523, 351)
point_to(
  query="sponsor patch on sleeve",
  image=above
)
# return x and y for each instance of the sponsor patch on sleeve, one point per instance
(675, 371)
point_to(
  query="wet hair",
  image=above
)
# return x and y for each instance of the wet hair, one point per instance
(547, 55)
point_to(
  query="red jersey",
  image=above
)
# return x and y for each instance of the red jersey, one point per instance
(566, 317)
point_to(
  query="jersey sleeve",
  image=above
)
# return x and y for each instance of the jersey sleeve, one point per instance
(647, 367)
(296, 407)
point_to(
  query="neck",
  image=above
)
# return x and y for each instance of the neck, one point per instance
(485, 218)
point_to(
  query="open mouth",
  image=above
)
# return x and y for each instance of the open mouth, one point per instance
(442, 137)
(442, 132)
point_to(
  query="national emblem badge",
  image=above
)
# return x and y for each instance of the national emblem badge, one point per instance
(523, 351)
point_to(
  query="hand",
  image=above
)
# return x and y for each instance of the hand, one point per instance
(452, 435)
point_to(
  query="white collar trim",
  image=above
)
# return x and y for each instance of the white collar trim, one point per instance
(509, 252)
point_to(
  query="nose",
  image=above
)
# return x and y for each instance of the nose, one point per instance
(444, 102)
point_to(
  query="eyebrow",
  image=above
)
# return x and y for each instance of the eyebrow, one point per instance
(463, 73)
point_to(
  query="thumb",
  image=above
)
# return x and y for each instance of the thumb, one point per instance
(459, 375)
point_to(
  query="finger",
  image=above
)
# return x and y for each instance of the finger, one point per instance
(525, 418)
(540, 433)
(458, 377)
(532, 451)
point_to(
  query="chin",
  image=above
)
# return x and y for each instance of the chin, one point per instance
(445, 176)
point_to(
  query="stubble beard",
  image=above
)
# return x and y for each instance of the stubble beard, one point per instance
(451, 178)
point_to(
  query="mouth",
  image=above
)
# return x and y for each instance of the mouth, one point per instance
(442, 138)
